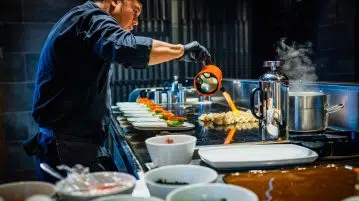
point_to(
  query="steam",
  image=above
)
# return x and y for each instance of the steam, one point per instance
(297, 63)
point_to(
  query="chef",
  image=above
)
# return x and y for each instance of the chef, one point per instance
(71, 97)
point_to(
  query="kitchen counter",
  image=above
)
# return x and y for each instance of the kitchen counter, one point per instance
(333, 145)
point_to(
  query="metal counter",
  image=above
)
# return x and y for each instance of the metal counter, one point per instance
(332, 145)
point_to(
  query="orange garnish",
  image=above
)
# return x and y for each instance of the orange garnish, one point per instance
(169, 141)
(176, 118)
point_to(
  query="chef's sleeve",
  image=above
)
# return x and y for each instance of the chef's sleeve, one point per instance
(105, 38)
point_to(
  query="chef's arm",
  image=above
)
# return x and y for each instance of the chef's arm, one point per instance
(163, 52)
(105, 38)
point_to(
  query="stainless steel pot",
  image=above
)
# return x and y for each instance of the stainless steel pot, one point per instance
(309, 111)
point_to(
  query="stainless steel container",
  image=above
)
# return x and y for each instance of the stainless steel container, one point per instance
(309, 111)
(158, 97)
(273, 103)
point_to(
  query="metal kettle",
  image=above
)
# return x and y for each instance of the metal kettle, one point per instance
(273, 103)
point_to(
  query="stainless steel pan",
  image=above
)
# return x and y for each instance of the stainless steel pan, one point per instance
(309, 111)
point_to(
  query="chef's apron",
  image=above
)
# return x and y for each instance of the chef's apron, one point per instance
(80, 139)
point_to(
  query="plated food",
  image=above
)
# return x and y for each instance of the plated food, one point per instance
(228, 117)
(171, 119)
(146, 115)
(226, 127)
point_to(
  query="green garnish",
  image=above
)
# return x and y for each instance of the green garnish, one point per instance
(174, 123)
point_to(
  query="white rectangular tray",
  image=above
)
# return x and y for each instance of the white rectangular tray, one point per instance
(244, 156)
(161, 126)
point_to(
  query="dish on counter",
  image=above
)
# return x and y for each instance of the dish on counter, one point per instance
(249, 156)
(171, 149)
(144, 119)
(228, 117)
(238, 126)
(94, 185)
(24, 190)
(139, 115)
(161, 181)
(127, 198)
(326, 182)
(162, 126)
(212, 192)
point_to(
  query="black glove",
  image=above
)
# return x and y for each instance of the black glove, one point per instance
(194, 52)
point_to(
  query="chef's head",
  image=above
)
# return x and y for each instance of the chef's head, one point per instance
(126, 12)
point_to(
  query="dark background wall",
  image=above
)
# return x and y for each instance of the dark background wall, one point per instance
(240, 34)
(331, 26)
(24, 26)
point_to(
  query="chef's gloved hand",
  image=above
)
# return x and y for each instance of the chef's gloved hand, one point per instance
(194, 52)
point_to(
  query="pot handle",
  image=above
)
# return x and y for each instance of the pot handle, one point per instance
(251, 107)
(335, 108)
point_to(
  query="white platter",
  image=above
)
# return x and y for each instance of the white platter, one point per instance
(141, 109)
(244, 156)
(126, 112)
(144, 119)
(161, 126)
(139, 115)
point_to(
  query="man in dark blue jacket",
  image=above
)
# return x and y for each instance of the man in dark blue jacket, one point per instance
(71, 97)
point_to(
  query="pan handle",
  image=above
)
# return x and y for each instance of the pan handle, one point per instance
(335, 108)
(251, 107)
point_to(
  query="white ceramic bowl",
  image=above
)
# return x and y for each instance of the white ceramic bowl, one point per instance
(191, 174)
(127, 198)
(126, 183)
(352, 198)
(179, 152)
(211, 192)
(23, 190)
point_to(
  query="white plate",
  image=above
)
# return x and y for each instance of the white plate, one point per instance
(144, 119)
(132, 106)
(161, 126)
(141, 109)
(243, 156)
(137, 112)
(139, 115)
(128, 104)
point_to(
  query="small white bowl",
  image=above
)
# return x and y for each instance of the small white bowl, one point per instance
(127, 198)
(352, 198)
(212, 192)
(191, 174)
(23, 190)
(179, 152)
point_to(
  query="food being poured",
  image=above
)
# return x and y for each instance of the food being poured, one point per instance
(228, 117)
